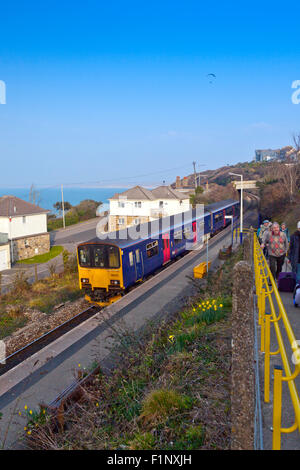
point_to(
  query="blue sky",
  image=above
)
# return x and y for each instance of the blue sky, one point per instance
(110, 91)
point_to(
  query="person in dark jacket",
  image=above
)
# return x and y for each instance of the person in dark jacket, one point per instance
(284, 228)
(294, 252)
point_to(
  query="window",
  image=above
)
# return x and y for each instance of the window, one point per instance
(137, 255)
(113, 257)
(186, 233)
(121, 204)
(24, 219)
(100, 256)
(137, 221)
(177, 237)
(161, 203)
(130, 258)
(121, 221)
(84, 256)
(137, 204)
(152, 249)
(218, 217)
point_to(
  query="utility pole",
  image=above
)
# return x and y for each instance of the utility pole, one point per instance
(241, 206)
(63, 206)
(195, 175)
(198, 182)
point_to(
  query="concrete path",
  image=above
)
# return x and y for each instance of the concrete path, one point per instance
(289, 441)
(46, 375)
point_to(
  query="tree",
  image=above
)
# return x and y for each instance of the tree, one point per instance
(58, 206)
(34, 195)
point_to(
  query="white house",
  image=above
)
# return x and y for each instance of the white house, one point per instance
(4, 252)
(138, 205)
(26, 227)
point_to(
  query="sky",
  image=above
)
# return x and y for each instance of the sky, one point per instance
(118, 93)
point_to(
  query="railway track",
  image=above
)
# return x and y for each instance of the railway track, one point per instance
(70, 396)
(31, 348)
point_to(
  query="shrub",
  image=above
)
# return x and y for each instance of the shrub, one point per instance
(52, 268)
(159, 404)
(20, 283)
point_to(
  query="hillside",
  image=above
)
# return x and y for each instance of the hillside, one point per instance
(278, 186)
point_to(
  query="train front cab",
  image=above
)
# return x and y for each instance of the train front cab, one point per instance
(100, 272)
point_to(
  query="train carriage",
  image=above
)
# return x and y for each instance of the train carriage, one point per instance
(108, 268)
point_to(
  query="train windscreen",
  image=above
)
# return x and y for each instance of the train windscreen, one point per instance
(99, 256)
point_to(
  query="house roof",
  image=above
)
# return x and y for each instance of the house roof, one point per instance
(12, 206)
(166, 192)
(136, 193)
(140, 193)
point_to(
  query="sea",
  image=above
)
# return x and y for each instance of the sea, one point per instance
(46, 197)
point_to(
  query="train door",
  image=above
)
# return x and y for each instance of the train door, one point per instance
(224, 213)
(166, 246)
(194, 225)
(138, 264)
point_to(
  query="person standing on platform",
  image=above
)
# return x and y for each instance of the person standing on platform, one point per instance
(294, 252)
(277, 244)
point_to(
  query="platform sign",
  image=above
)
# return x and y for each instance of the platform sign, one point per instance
(251, 184)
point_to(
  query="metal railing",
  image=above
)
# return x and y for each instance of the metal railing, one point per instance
(266, 289)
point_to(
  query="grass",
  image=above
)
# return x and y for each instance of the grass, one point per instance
(54, 251)
(42, 295)
(169, 388)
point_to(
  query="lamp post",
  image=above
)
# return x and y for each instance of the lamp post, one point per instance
(241, 207)
(231, 218)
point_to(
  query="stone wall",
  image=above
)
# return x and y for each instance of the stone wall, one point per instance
(242, 373)
(28, 247)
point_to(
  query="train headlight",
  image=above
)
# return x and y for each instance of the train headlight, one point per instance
(115, 282)
(84, 280)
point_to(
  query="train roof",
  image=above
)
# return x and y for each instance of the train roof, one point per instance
(220, 205)
(130, 235)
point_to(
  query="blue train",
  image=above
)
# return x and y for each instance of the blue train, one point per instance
(108, 268)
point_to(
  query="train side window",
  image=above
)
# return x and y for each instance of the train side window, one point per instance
(84, 256)
(130, 258)
(177, 237)
(152, 249)
(187, 233)
(113, 257)
(137, 255)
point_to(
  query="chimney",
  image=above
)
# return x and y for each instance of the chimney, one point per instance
(178, 182)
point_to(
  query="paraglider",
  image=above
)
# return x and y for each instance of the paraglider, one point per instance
(212, 77)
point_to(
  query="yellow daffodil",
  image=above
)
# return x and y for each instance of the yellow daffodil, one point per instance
(221, 305)
(25, 407)
(30, 412)
(25, 428)
(29, 432)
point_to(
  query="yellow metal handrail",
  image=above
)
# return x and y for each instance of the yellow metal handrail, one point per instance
(263, 276)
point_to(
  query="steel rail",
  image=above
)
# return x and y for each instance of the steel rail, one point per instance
(37, 344)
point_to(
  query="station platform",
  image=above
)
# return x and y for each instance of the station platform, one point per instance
(289, 441)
